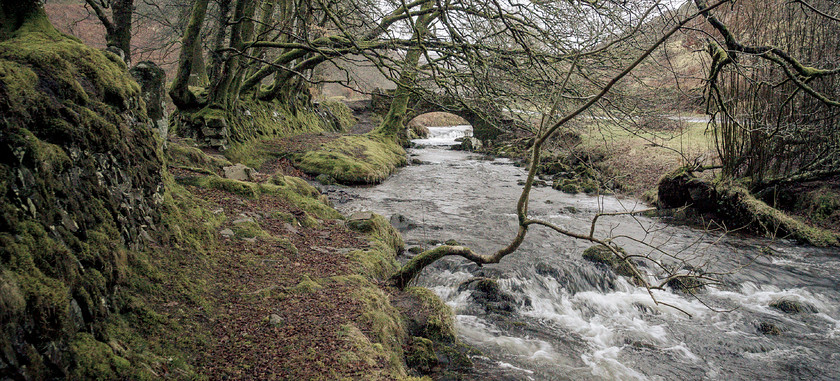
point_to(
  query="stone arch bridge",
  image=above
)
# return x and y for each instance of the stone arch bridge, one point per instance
(487, 121)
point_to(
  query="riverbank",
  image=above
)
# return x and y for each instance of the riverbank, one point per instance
(552, 312)
(604, 157)
(296, 288)
(127, 255)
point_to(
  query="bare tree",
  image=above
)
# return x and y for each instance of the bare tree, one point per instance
(118, 25)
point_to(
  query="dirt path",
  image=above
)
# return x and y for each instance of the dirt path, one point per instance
(266, 324)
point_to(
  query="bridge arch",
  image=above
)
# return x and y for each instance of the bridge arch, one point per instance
(486, 127)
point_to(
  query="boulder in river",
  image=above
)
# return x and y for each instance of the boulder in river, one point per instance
(603, 255)
(489, 295)
(790, 306)
(402, 223)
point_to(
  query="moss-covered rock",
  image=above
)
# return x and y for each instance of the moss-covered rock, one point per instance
(84, 194)
(603, 255)
(737, 208)
(487, 293)
(434, 348)
(355, 159)
(768, 329)
(379, 260)
(791, 306)
(686, 284)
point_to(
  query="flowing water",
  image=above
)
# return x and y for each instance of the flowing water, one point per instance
(573, 319)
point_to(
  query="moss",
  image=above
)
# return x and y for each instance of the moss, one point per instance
(79, 71)
(603, 255)
(379, 260)
(95, 360)
(439, 324)
(383, 321)
(249, 229)
(293, 189)
(421, 355)
(363, 350)
(306, 285)
(790, 306)
(380, 320)
(355, 159)
(341, 114)
(183, 155)
(739, 204)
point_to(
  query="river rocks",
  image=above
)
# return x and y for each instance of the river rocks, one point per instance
(227, 233)
(487, 293)
(402, 223)
(768, 329)
(681, 188)
(603, 255)
(239, 172)
(361, 222)
(790, 306)
(469, 144)
(686, 284)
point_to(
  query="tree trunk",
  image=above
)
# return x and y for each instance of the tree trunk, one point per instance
(220, 90)
(393, 124)
(219, 39)
(120, 35)
(180, 92)
(13, 14)
(198, 75)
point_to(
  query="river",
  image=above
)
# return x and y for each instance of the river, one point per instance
(572, 319)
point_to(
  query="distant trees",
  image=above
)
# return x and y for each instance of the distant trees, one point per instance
(774, 90)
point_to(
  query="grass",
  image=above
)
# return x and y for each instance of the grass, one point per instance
(354, 159)
(640, 158)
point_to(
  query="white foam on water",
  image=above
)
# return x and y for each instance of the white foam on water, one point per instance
(445, 136)
(479, 331)
(682, 350)
(758, 298)
(505, 365)
(604, 320)
(604, 363)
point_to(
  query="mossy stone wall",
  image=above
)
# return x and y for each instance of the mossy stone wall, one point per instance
(80, 183)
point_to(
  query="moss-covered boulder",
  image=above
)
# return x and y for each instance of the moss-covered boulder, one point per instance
(80, 186)
(768, 329)
(603, 255)
(354, 159)
(737, 208)
(685, 283)
(487, 293)
(791, 306)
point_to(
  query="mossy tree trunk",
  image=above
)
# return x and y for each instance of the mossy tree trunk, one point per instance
(14, 13)
(198, 75)
(219, 39)
(118, 27)
(223, 90)
(393, 124)
(180, 92)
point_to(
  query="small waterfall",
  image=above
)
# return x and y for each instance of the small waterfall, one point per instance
(445, 136)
